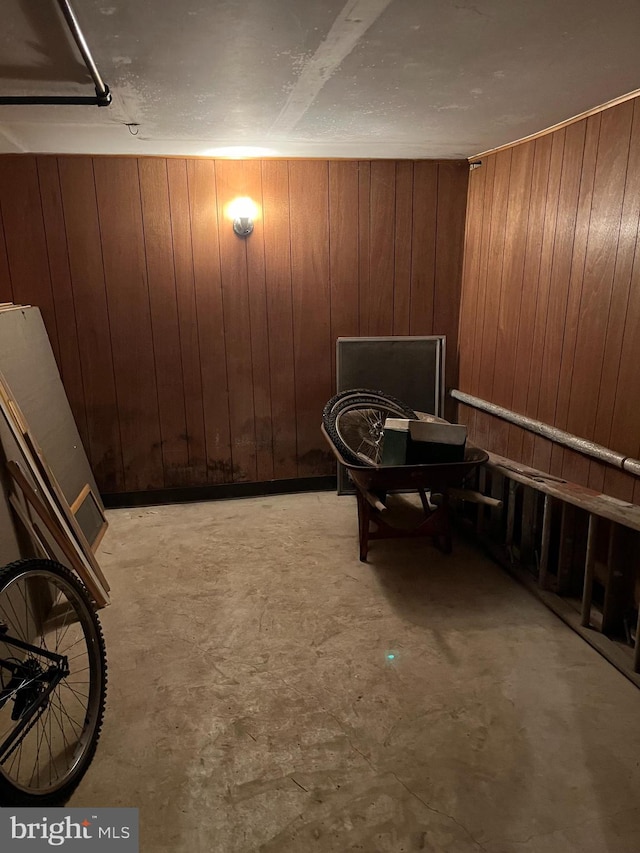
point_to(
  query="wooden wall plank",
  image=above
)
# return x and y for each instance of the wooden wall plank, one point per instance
(237, 323)
(611, 429)
(480, 433)
(402, 248)
(343, 253)
(25, 239)
(530, 285)
(187, 318)
(165, 330)
(309, 197)
(205, 245)
(65, 312)
(120, 216)
(364, 242)
(423, 247)
(469, 290)
(496, 260)
(453, 178)
(277, 245)
(259, 327)
(509, 310)
(6, 289)
(89, 295)
(560, 274)
(381, 247)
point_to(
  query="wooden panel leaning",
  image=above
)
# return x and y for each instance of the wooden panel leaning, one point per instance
(50, 503)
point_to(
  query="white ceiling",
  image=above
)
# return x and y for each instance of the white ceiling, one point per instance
(313, 78)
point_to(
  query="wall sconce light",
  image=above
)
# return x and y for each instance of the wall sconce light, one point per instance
(242, 211)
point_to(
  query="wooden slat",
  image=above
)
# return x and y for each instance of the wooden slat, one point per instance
(509, 311)
(156, 218)
(92, 316)
(379, 296)
(403, 239)
(190, 344)
(275, 213)
(364, 267)
(209, 310)
(6, 290)
(423, 247)
(481, 423)
(494, 281)
(25, 239)
(66, 324)
(309, 193)
(452, 193)
(256, 285)
(530, 284)
(343, 253)
(119, 211)
(235, 295)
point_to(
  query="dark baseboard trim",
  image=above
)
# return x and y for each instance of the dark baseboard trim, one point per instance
(219, 491)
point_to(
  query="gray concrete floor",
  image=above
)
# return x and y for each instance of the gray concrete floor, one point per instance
(254, 703)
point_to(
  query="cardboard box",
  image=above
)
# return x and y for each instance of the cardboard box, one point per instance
(418, 442)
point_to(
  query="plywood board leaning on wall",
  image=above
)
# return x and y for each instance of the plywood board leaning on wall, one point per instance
(30, 370)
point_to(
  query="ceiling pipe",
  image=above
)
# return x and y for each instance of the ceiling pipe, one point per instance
(102, 90)
(103, 95)
(568, 439)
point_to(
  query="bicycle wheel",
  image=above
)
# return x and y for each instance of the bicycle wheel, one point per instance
(53, 676)
(355, 423)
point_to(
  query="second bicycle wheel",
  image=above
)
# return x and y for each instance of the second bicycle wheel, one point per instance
(355, 424)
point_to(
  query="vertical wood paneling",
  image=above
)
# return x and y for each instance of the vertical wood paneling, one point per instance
(6, 290)
(165, 328)
(209, 311)
(423, 247)
(530, 283)
(92, 317)
(452, 185)
(380, 293)
(64, 308)
(237, 323)
(343, 254)
(469, 295)
(309, 199)
(187, 317)
(192, 356)
(259, 329)
(402, 262)
(25, 239)
(577, 349)
(276, 217)
(120, 216)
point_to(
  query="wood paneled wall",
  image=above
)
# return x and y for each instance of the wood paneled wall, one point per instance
(550, 317)
(191, 356)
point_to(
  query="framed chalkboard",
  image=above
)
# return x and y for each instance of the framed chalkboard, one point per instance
(410, 368)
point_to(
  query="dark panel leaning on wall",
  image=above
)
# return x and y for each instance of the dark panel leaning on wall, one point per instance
(550, 319)
(192, 357)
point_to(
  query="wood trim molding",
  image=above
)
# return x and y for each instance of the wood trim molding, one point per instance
(601, 108)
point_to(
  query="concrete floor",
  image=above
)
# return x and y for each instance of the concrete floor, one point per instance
(254, 703)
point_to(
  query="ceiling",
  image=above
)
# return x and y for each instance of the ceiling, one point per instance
(312, 78)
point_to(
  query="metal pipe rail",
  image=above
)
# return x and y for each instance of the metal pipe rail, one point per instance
(568, 439)
(103, 95)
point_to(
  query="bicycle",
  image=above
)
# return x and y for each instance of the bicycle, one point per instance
(53, 677)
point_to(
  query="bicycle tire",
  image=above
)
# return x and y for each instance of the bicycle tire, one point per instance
(58, 616)
(355, 422)
(340, 399)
